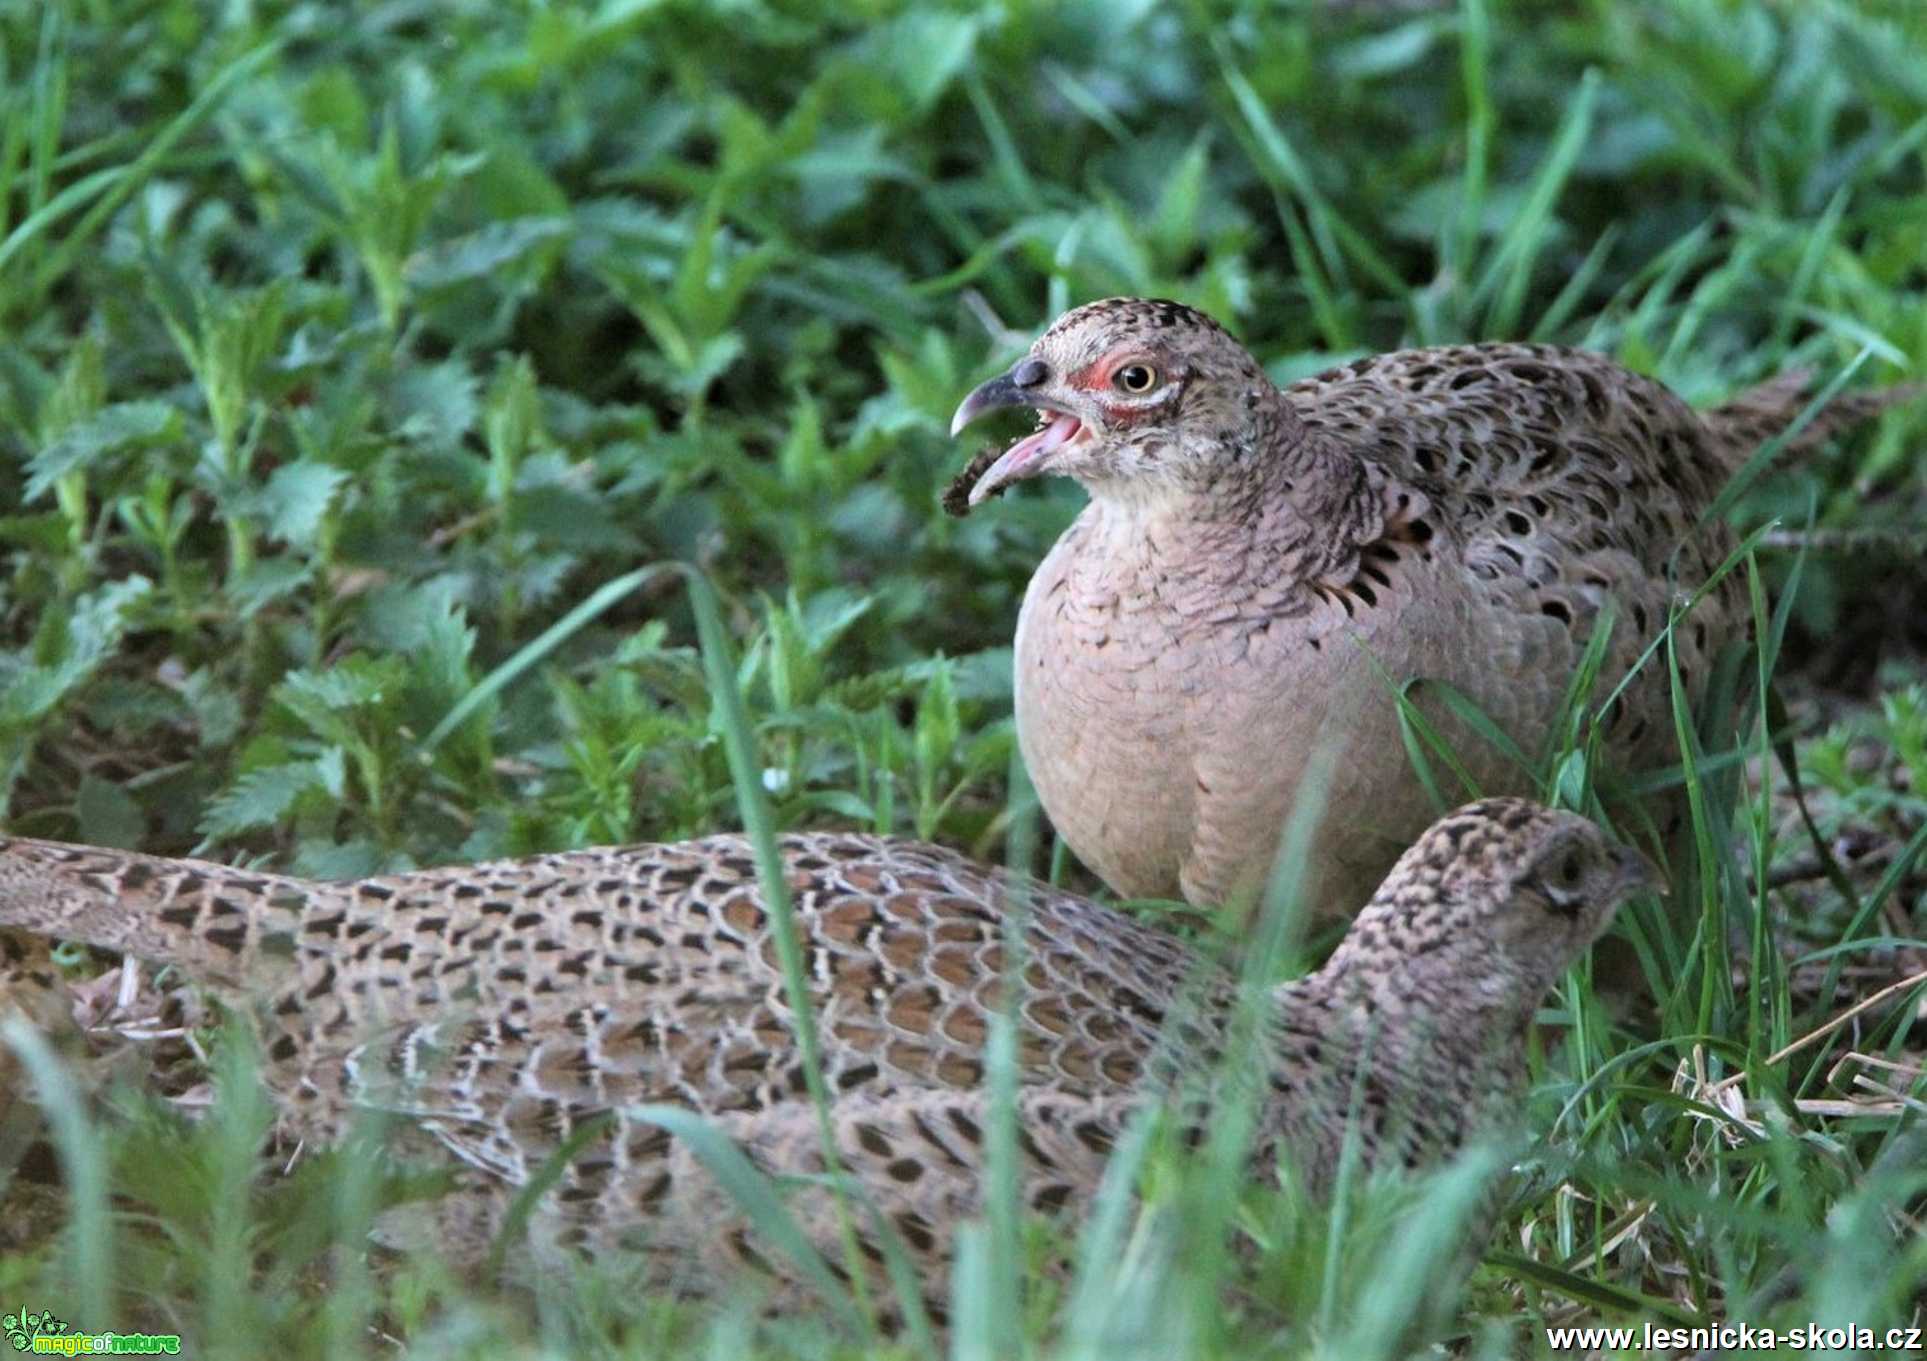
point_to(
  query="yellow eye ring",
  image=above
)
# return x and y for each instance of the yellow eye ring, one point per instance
(1136, 378)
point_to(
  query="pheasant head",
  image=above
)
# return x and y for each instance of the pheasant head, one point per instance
(1132, 392)
(1496, 901)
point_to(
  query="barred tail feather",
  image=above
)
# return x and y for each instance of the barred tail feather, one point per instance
(1760, 413)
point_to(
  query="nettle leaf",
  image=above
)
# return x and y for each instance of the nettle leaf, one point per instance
(261, 797)
(564, 518)
(541, 578)
(296, 499)
(349, 860)
(121, 426)
(25, 387)
(938, 721)
(689, 369)
(436, 404)
(1174, 221)
(44, 533)
(921, 391)
(404, 618)
(983, 677)
(332, 769)
(216, 708)
(829, 615)
(840, 803)
(619, 235)
(79, 392)
(132, 707)
(1393, 51)
(483, 253)
(840, 168)
(266, 581)
(351, 683)
(923, 51)
(27, 694)
(440, 658)
(107, 814)
(92, 629)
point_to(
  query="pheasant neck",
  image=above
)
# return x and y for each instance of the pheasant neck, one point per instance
(1417, 1024)
(1268, 507)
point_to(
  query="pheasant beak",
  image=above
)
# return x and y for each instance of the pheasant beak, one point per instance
(1015, 388)
(1021, 387)
(1637, 874)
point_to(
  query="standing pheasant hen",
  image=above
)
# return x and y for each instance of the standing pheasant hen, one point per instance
(496, 1007)
(1257, 567)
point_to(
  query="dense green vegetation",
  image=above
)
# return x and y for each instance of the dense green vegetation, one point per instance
(352, 367)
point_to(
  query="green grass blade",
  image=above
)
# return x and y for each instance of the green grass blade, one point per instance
(1613, 1299)
(1475, 79)
(212, 96)
(756, 1197)
(83, 1166)
(1817, 240)
(1510, 270)
(759, 826)
(1576, 288)
(1102, 1243)
(1001, 1300)
(80, 192)
(1749, 472)
(526, 656)
(545, 1178)
(1279, 163)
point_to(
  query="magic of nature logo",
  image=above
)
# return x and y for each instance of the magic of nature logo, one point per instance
(45, 1335)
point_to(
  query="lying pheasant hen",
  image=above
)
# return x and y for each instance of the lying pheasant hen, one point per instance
(496, 1007)
(1258, 566)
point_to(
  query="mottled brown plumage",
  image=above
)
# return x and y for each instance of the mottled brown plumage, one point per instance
(496, 1007)
(1257, 567)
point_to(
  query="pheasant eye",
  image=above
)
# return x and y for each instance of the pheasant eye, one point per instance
(1569, 870)
(1136, 378)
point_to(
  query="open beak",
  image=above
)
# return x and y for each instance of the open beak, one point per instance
(1025, 458)
(997, 394)
(1637, 874)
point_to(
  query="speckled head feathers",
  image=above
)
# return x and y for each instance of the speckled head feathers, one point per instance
(1139, 316)
(1510, 890)
(1128, 390)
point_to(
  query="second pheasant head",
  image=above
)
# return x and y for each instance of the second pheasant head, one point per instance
(1130, 391)
(1493, 903)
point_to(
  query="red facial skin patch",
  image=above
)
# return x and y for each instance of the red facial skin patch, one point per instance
(1094, 377)
(1097, 378)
